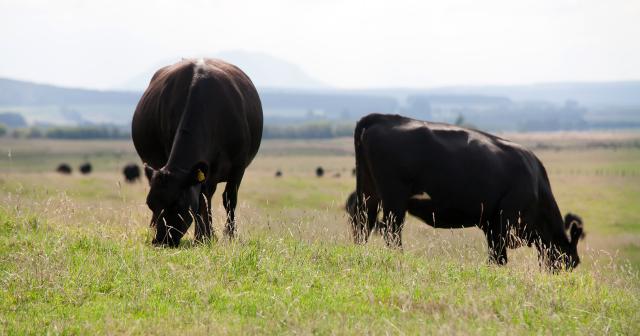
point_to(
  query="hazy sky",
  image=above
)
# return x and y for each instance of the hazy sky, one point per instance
(350, 44)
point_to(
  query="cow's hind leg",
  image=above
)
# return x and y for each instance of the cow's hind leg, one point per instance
(393, 224)
(367, 204)
(204, 220)
(394, 207)
(366, 218)
(230, 200)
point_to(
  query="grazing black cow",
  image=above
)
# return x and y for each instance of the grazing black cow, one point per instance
(278, 173)
(319, 172)
(86, 168)
(131, 172)
(198, 123)
(64, 168)
(468, 178)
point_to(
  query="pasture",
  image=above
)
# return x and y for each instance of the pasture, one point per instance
(76, 258)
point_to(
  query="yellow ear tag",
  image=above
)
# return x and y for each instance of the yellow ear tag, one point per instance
(200, 176)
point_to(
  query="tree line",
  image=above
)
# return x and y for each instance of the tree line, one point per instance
(312, 130)
(66, 132)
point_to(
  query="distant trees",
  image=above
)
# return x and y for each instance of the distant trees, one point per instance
(521, 116)
(69, 132)
(12, 120)
(313, 130)
(3, 130)
(35, 133)
(86, 132)
(486, 113)
(462, 122)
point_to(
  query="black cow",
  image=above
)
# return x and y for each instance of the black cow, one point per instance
(278, 173)
(86, 168)
(198, 123)
(131, 172)
(319, 172)
(64, 168)
(469, 178)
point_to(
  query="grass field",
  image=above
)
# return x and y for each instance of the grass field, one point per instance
(76, 258)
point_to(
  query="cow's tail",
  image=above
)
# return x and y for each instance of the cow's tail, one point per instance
(357, 143)
(361, 165)
(358, 136)
(363, 176)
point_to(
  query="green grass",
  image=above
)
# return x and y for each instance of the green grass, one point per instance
(76, 258)
(86, 284)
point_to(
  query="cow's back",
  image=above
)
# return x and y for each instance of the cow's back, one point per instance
(450, 163)
(158, 112)
(231, 110)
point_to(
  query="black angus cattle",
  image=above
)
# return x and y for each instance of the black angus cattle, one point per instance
(470, 178)
(319, 172)
(278, 173)
(198, 123)
(64, 168)
(86, 168)
(131, 172)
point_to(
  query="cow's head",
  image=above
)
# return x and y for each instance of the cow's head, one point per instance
(565, 254)
(174, 200)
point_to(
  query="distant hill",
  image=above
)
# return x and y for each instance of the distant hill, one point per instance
(596, 94)
(21, 93)
(535, 107)
(265, 71)
(47, 104)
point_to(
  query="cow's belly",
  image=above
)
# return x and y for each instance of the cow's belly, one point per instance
(443, 215)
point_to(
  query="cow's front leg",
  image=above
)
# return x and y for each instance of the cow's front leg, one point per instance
(204, 218)
(497, 242)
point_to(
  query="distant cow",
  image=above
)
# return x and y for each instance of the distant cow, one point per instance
(469, 178)
(64, 168)
(131, 172)
(278, 173)
(319, 172)
(85, 168)
(198, 123)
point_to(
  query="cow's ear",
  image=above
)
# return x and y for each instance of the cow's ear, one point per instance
(148, 171)
(570, 219)
(576, 229)
(199, 173)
